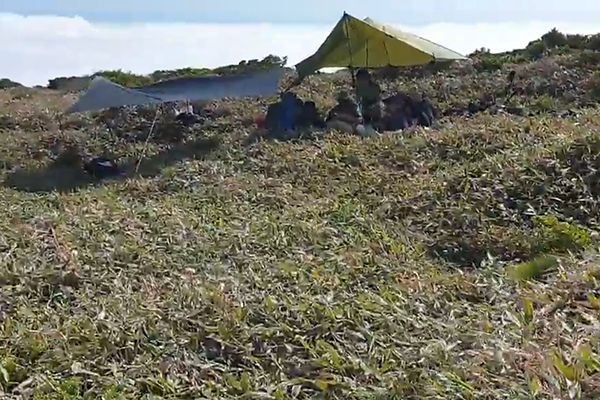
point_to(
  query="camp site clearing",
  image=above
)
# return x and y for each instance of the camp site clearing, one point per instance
(454, 261)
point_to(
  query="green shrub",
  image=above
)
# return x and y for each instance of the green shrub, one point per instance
(483, 50)
(560, 51)
(162, 75)
(577, 41)
(554, 39)
(596, 90)
(560, 237)
(72, 84)
(593, 42)
(536, 49)
(593, 87)
(8, 84)
(125, 78)
(252, 65)
(589, 58)
(67, 389)
(490, 63)
(518, 58)
(544, 104)
(533, 269)
(7, 122)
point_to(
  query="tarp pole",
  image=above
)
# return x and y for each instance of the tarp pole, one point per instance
(351, 66)
(147, 142)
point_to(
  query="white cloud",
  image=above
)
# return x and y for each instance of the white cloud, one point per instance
(44, 47)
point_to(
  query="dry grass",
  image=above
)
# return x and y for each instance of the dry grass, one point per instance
(404, 266)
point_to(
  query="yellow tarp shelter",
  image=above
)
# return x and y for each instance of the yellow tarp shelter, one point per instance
(356, 43)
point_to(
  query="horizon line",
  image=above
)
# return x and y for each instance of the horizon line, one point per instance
(101, 18)
(274, 23)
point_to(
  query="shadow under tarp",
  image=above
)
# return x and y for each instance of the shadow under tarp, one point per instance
(63, 178)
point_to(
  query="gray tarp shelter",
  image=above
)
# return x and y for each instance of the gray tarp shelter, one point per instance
(103, 93)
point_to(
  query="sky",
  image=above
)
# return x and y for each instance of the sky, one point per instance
(311, 11)
(74, 37)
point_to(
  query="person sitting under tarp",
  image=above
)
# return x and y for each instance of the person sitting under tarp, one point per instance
(285, 117)
(394, 113)
(345, 116)
(310, 116)
(425, 112)
(282, 116)
(403, 111)
(369, 95)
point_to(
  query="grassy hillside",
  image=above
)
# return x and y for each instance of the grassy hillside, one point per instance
(459, 262)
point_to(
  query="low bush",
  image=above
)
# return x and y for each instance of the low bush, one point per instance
(8, 84)
(535, 49)
(560, 237)
(554, 38)
(126, 78)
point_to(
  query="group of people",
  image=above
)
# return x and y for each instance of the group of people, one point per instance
(369, 113)
(289, 115)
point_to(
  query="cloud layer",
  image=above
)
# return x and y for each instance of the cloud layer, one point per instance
(44, 47)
